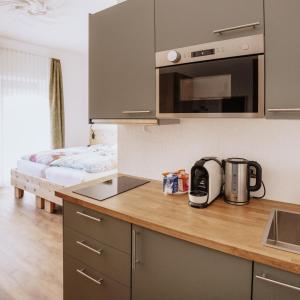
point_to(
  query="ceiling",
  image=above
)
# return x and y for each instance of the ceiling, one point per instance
(66, 29)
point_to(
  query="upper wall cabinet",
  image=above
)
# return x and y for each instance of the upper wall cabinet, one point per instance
(182, 23)
(282, 59)
(122, 62)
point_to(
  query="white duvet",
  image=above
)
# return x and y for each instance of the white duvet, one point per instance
(91, 162)
(93, 159)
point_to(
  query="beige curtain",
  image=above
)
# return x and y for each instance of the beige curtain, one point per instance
(56, 97)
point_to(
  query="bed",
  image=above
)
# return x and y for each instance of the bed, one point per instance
(45, 172)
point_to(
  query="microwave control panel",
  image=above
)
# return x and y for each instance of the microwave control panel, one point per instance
(242, 46)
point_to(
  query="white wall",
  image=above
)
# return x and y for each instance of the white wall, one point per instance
(275, 144)
(75, 80)
(104, 134)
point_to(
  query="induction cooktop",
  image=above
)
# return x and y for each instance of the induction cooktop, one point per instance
(111, 188)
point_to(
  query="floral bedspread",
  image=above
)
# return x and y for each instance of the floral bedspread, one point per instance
(93, 159)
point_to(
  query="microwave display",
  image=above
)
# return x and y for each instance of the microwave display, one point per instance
(203, 53)
(229, 86)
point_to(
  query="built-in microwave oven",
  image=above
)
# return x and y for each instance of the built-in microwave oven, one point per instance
(218, 79)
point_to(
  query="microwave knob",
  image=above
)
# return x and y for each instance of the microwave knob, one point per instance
(174, 56)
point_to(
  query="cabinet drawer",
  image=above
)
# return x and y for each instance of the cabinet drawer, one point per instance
(270, 283)
(109, 261)
(83, 282)
(100, 227)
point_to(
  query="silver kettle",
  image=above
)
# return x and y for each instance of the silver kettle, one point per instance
(238, 175)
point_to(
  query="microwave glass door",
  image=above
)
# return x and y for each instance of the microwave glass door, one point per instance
(220, 86)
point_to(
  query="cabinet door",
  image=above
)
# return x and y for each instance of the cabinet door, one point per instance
(166, 268)
(282, 58)
(273, 284)
(122, 61)
(182, 23)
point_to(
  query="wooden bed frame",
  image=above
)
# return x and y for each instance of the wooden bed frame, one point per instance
(41, 188)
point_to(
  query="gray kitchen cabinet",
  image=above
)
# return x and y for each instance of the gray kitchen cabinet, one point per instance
(274, 284)
(282, 59)
(122, 62)
(109, 230)
(97, 260)
(165, 268)
(82, 282)
(182, 23)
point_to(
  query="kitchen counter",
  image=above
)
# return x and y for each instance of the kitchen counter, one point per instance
(236, 230)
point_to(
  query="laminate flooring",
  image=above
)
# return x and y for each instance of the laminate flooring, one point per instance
(31, 263)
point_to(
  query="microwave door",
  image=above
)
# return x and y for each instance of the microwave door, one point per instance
(227, 86)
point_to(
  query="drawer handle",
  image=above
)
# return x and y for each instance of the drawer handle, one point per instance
(82, 273)
(220, 31)
(264, 278)
(88, 216)
(284, 109)
(84, 245)
(128, 112)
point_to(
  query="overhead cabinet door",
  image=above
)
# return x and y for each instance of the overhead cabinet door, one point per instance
(282, 59)
(122, 62)
(182, 23)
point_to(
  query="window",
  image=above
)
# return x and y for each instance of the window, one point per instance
(24, 107)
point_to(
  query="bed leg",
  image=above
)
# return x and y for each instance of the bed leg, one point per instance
(19, 193)
(49, 206)
(40, 202)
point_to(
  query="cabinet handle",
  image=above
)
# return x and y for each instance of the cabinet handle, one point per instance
(84, 245)
(88, 216)
(264, 278)
(284, 109)
(133, 258)
(82, 273)
(131, 112)
(220, 31)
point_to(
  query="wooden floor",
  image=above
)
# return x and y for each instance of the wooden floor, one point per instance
(30, 250)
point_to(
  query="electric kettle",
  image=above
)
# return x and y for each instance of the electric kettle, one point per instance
(239, 173)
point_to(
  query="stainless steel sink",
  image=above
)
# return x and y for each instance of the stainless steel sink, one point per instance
(283, 231)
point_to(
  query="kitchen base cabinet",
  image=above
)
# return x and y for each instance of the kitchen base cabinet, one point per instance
(103, 228)
(165, 268)
(97, 260)
(274, 284)
(107, 260)
(81, 282)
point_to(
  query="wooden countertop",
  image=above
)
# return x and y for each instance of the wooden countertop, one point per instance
(236, 230)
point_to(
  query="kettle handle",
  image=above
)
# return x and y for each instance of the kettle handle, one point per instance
(258, 177)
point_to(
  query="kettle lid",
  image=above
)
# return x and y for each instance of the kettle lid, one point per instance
(237, 160)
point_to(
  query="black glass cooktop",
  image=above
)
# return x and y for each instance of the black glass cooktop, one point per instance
(110, 188)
